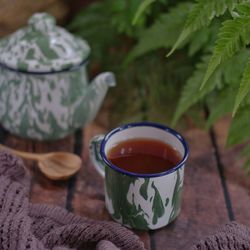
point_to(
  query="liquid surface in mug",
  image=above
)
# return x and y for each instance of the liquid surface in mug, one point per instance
(144, 156)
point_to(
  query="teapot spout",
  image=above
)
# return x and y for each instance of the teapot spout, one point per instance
(97, 91)
(105, 78)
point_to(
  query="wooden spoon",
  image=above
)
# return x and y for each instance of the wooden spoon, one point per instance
(55, 165)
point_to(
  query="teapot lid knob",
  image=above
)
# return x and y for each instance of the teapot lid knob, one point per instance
(42, 22)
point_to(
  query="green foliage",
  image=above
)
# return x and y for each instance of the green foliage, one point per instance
(232, 71)
(142, 8)
(233, 36)
(202, 39)
(246, 153)
(240, 130)
(191, 94)
(95, 24)
(88, 24)
(122, 13)
(162, 33)
(212, 38)
(224, 81)
(202, 14)
(218, 108)
(244, 87)
(147, 81)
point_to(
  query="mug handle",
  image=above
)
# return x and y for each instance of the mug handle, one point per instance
(95, 156)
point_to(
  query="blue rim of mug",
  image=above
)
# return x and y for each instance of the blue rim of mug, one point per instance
(143, 124)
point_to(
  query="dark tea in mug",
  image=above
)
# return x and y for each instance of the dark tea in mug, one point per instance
(144, 156)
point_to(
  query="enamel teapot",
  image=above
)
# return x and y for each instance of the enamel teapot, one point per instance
(44, 90)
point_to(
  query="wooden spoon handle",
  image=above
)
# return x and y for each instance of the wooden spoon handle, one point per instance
(25, 155)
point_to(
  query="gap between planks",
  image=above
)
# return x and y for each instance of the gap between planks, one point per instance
(78, 147)
(220, 168)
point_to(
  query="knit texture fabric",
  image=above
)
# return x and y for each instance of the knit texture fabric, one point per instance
(232, 236)
(26, 226)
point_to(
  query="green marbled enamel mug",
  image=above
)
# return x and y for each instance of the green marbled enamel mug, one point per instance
(141, 201)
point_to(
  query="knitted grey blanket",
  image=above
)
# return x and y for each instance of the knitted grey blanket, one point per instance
(40, 227)
(232, 236)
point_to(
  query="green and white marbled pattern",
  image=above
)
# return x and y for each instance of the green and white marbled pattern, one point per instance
(48, 107)
(42, 47)
(143, 203)
(51, 105)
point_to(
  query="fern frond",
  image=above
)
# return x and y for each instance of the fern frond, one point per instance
(233, 36)
(191, 94)
(227, 75)
(246, 153)
(244, 88)
(143, 6)
(240, 130)
(243, 9)
(122, 14)
(203, 39)
(163, 33)
(88, 23)
(221, 102)
(221, 105)
(201, 15)
(233, 70)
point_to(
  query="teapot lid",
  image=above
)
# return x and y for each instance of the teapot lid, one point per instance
(42, 47)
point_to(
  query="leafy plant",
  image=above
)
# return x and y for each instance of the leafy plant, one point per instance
(149, 79)
(212, 61)
(162, 33)
(202, 13)
(232, 39)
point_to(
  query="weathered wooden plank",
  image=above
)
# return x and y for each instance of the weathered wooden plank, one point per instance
(43, 190)
(18, 143)
(89, 190)
(203, 206)
(237, 180)
(89, 197)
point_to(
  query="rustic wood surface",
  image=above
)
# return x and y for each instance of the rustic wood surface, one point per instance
(237, 183)
(216, 189)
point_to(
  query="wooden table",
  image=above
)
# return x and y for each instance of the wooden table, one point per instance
(216, 189)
